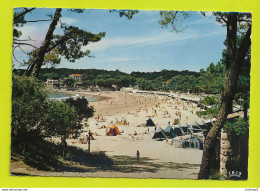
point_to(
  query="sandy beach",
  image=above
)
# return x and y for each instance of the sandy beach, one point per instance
(163, 160)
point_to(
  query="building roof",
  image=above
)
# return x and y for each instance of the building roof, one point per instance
(76, 74)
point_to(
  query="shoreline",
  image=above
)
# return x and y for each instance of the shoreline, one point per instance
(81, 93)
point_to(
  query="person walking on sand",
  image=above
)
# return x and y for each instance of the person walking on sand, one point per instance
(138, 155)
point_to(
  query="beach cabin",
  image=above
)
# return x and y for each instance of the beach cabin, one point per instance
(112, 131)
(169, 132)
(150, 122)
(159, 134)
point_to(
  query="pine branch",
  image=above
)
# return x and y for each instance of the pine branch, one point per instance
(15, 22)
(23, 13)
(23, 43)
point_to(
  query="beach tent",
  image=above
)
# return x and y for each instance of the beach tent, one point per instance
(209, 123)
(150, 122)
(197, 142)
(112, 131)
(178, 130)
(185, 128)
(213, 120)
(203, 125)
(159, 133)
(169, 132)
(196, 127)
(189, 128)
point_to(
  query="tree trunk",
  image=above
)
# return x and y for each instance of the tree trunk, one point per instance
(34, 68)
(235, 58)
(64, 144)
(225, 148)
(245, 108)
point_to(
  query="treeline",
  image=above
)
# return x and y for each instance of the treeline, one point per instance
(207, 81)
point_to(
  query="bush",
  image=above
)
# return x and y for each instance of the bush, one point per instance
(29, 105)
(239, 126)
(34, 116)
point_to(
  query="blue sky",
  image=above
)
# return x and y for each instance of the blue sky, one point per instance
(139, 44)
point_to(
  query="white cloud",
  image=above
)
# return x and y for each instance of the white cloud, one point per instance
(137, 41)
(68, 20)
(160, 38)
(118, 59)
(35, 33)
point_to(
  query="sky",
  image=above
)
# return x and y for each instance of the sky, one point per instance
(139, 44)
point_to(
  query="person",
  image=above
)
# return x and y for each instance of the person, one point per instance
(166, 141)
(137, 154)
(171, 142)
(87, 139)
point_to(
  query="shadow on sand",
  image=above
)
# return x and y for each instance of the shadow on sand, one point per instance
(47, 156)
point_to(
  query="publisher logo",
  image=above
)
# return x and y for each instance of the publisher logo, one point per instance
(235, 174)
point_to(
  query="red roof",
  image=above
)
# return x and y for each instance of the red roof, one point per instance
(76, 74)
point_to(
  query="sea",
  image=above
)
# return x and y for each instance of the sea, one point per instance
(63, 96)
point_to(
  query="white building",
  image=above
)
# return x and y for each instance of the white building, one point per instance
(77, 77)
(52, 84)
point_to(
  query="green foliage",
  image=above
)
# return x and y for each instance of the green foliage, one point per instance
(239, 126)
(29, 105)
(34, 116)
(173, 19)
(124, 81)
(81, 106)
(183, 83)
(216, 176)
(209, 100)
(127, 13)
(166, 74)
(69, 81)
(76, 10)
(47, 156)
(144, 84)
(211, 111)
(71, 42)
(18, 22)
(244, 19)
(60, 119)
(210, 80)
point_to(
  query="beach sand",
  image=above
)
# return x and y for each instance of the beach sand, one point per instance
(162, 160)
